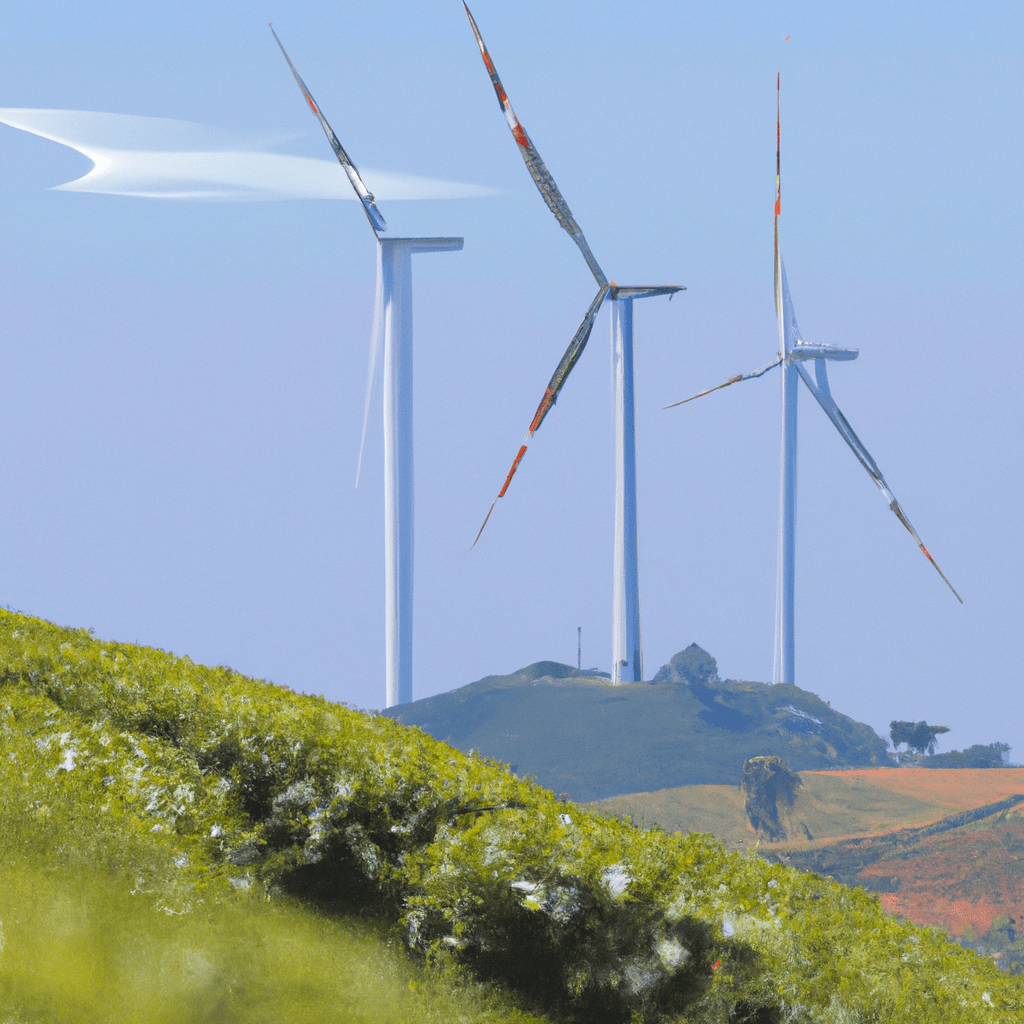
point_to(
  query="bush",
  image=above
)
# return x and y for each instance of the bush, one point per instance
(991, 755)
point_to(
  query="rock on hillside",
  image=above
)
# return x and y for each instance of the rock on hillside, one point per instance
(578, 734)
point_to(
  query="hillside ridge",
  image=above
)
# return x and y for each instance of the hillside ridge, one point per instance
(577, 734)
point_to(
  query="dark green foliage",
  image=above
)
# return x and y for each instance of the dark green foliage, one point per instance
(198, 782)
(919, 736)
(578, 734)
(981, 755)
(746, 1013)
(1004, 941)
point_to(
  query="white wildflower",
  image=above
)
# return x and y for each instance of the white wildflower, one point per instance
(617, 879)
(672, 953)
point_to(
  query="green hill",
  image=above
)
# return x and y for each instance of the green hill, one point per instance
(182, 843)
(579, 735)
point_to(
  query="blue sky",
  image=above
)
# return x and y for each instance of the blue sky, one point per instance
(184, 381)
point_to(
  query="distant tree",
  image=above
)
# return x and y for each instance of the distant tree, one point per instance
(919, 736)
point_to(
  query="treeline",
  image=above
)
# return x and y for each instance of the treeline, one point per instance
(990, 755)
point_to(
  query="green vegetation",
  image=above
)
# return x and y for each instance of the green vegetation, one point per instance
(919, 736)
(228, 804)
(981, 755)
(1004, 940)
(579, 735)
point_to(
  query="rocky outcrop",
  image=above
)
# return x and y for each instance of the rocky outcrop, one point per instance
(693, 665)
(769, 790)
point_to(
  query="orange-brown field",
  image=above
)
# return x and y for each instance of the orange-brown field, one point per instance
(965, 877)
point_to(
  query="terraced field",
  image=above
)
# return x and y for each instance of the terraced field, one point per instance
(895, 831)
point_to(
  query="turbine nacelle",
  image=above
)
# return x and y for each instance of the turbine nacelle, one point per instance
(802, 350)
(642, 291)
(425, 244)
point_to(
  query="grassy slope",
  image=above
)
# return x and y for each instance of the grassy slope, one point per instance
(831, 804)
(579, 735)
(78, 947)
(117, 901)
(206, 794)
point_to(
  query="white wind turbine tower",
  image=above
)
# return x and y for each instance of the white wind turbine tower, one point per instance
(392, 327)
(627, 654)
(627, 646)
(793, 355)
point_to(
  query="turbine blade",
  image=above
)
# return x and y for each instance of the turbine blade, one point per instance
(373, 215)
(778, 144)
(501, 493)
(823, 395)
(569, 360)
(645, 291)
(486, 517)
(901, 516)
(376, 341)
(534, 164)
(759, 372)
(789, 337)
(558, 379)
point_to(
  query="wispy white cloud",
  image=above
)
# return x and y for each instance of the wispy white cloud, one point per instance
(161, 158)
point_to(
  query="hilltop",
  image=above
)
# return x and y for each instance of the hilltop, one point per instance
(577, 734)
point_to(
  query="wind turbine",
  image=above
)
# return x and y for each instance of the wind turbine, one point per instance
(627, 655)
(793, 356)
(392, 327)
